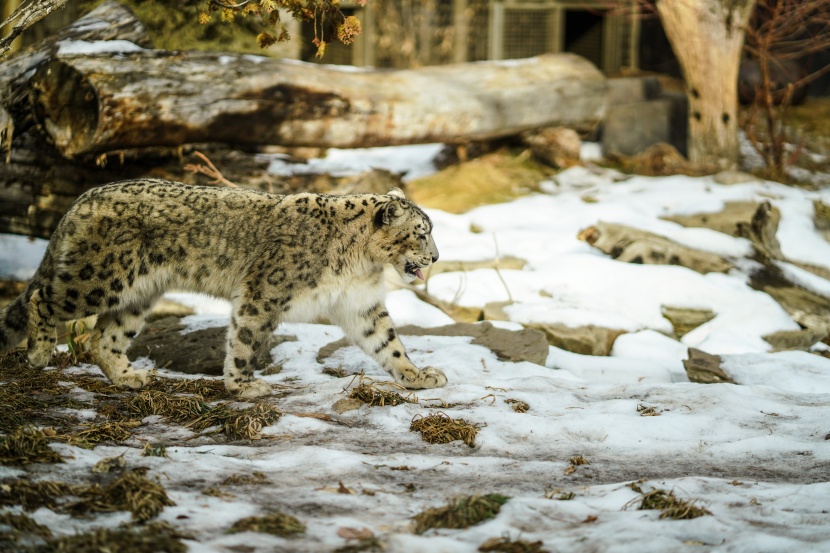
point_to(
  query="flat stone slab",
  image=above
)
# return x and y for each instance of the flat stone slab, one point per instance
(508, 345)
(198, 352)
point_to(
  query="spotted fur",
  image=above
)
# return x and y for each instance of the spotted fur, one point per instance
(276, 258)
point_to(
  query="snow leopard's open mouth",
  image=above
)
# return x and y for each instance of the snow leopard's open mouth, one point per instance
(413, 269)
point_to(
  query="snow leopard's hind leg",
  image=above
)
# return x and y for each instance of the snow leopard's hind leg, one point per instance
(252, 324)
(41, 330)
(110, 339)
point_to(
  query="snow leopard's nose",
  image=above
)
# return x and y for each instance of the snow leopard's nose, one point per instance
(435, 257)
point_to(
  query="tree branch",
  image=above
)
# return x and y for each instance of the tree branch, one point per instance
(27, 14)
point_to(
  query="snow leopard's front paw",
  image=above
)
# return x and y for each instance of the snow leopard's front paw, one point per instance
(250, 389)
(133, 379)
(429, 377)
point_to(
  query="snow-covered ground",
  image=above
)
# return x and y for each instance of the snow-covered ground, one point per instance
(756, 454)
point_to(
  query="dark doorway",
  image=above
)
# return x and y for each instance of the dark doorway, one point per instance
(583, 34)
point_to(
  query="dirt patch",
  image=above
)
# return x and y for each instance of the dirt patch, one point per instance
(493, 178)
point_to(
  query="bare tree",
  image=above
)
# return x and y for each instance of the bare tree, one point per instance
(27, 14)
(329, 21)
(707, 37)
(781, 32)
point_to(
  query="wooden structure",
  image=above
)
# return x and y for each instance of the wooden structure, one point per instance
(455, 31)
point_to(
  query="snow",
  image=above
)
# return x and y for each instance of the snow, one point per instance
(86, 48)
(756, 454)
(415, 161)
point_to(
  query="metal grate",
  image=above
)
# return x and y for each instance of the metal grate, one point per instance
(526, 32)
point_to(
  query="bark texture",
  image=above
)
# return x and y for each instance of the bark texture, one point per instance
(154, 98)
(37, 185)
(707, 36)
(108, 21)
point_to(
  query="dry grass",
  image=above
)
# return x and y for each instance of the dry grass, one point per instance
(27, 394)
(576, 461)
(363, 545)
(130, 491)
(24, 525)
(109, 464)
(195, 413)
(460, 512)
(440, 428)
(179, 409)
(336, 372)
(150, 538)
(492, 178)
(255, 478)
(154, 450)
(208, 389)
(33, 495)
(237, 424)
(559, 495)
(506, 545)
(276, 523)
(518, 405)
(379, 394)
(27, 445)
(647, 411)
(92, 434)
(669, 505)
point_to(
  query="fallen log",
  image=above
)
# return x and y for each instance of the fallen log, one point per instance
(37, 184)
(108, 21)
(156, 98)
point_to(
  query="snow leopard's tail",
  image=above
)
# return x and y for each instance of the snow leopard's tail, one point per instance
(14, 318)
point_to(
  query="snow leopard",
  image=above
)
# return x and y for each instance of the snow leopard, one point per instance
(297, 257)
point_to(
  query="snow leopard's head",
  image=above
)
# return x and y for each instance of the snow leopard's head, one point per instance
(403, 236)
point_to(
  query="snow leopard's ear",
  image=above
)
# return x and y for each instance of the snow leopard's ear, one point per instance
(397, 192)
(388, 212)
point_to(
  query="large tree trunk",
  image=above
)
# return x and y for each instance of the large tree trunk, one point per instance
(153, 98)
(707, 36)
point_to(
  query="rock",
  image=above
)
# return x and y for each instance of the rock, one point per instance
(509, 345)
(679, 131)
(821, 215)
(629, 129)
(725, 221)
(557, 146)
(346, 404)
(733, 176)
(684, 319)
(328, 350)
(585, 340)
(168, 308)
(494, 311)
(821, 218)
(637, 246)
(704, 368)
(761, 231)
(657, 160)
(628, 90)
(796, 339)
(197, 352)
